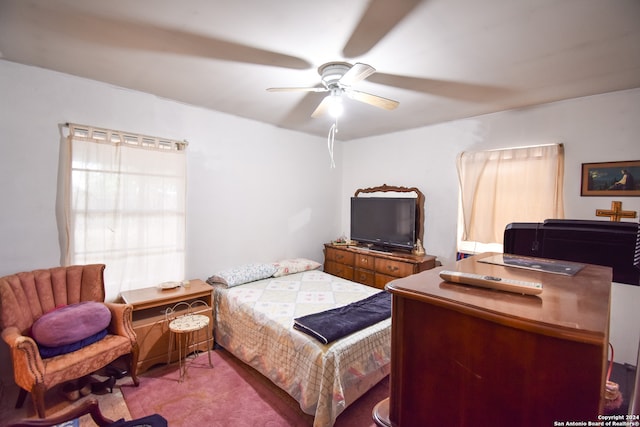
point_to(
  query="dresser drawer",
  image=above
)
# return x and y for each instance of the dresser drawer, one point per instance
(364, 261)
(338, 255)
(382, 280)
(394, 268)
(366, 277)
(372, 268)
(338, 269)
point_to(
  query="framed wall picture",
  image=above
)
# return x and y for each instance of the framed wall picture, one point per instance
(611, 179)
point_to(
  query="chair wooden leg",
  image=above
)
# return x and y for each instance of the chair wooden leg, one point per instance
(133, 365)
(22, 395)
(37, 395)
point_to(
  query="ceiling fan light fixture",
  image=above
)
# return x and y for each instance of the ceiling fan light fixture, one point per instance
(332, 72)
(329, 79)
(337, 79)
(336, 108)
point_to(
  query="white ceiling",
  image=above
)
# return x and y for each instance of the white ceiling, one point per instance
(441, 59)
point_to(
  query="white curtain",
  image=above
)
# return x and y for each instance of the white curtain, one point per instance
(126, 207)
(509, 185)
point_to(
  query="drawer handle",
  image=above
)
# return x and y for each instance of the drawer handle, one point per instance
(392, 268)
(363, 260)
(339, 256)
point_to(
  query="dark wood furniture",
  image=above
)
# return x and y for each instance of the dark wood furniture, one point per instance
(151, 323)
(466, 356)
(89, 406)
(372, 268)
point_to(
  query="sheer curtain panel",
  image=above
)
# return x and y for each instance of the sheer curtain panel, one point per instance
(125, 206)
(509, 185)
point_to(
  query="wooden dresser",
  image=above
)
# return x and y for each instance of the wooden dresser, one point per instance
(372, 268)
(467, 356)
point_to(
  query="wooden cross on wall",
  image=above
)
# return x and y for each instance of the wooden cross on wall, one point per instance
(616, 212)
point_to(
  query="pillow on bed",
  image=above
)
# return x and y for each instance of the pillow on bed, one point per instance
(71, 323)
(294, 265)
(243, 274)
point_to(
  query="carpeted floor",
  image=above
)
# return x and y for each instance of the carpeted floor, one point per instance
(230, 394)
(237, 396)
(112, 405)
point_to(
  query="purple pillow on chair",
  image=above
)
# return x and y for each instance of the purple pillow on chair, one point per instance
(71, 323)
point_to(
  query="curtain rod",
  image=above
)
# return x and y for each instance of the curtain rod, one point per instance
(559, 144)
(184, 142)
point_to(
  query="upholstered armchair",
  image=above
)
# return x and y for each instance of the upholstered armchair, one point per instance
(26, 297)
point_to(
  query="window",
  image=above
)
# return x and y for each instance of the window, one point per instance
(503, 186)
(125, 207)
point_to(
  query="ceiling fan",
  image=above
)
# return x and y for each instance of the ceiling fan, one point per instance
(337, 79)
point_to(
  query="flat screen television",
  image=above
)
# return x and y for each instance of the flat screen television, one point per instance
(384, 223)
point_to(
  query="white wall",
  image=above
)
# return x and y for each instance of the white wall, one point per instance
(593, 129)
(258, 193)
(254, 192)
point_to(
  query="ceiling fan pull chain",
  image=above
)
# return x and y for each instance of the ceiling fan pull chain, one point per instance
(331, 140)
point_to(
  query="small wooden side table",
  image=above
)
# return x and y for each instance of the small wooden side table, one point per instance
(150, 320)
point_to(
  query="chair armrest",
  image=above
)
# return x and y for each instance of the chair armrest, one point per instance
(89, 406)
(28, 367)
(122, 320)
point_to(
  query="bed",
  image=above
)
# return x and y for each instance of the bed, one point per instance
(254, 322)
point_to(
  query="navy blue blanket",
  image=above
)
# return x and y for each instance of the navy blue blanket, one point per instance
(329, 325)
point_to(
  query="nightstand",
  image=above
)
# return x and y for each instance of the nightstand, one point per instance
(150, 321)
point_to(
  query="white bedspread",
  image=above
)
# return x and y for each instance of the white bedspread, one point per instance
(254, 322)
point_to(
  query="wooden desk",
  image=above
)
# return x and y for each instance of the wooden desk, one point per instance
(465, 356)
(150, 320)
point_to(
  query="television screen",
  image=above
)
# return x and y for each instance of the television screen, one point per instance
(384, 222)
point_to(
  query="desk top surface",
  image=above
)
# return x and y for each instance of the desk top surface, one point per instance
(572, 306)
(151, 296)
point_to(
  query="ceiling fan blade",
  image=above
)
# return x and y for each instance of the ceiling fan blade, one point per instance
(322, 108)
(380, 18)
(128, 34)
(356, 73)
(298, 116)
(297, 89)
(375, 100)
(449, 89)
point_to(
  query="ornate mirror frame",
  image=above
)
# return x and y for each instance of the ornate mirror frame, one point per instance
(419, 203)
